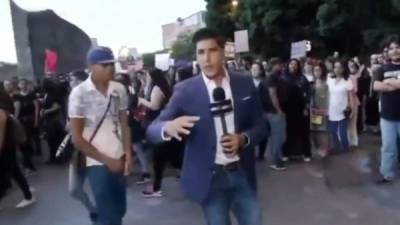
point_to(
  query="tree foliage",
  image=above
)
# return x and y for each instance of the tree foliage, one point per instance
(350, 27)
(183, 47)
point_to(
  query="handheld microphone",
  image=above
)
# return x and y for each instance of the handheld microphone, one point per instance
(221, 107)
(219, 97)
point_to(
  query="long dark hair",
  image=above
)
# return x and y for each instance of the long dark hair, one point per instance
(158, 79)
(262, 70)
(351, 61)
(324, 73)
(346, 72)
(299, 68)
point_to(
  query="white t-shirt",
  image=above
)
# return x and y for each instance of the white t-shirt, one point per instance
(338, 98)
(86, 102)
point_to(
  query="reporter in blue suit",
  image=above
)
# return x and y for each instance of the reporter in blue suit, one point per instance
(220, 182)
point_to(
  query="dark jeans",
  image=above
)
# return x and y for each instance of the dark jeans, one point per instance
(164, 153)
(55, 134)
(338, 135)
(27, 147)
(109, 190)
(262, 148)
(37, 141)
(230, 191)
(11, 170)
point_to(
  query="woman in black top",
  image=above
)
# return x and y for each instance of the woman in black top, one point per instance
(166, 152)
(135, 119)
(157, 94)
(9, 168)
(297, 114)
(29, 117)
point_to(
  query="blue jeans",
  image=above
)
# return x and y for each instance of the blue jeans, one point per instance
(109, 191)
(390, 134)
(76, 188)
(231, 191)
(338, 135)
(278, 136)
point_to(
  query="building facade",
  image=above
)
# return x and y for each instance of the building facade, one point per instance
(191, 23)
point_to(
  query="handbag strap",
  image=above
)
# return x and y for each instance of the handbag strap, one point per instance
(101, 121)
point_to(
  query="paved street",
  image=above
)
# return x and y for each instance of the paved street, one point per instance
(338, 192)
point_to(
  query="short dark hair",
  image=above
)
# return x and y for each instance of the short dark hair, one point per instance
(80, 75)
(274, 61)
(207, 33)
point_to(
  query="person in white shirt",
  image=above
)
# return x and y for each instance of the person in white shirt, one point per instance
(99, 128)
(340, 102)
(308, 71)
(77, 176)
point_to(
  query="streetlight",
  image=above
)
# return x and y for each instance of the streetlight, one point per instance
(235, 3)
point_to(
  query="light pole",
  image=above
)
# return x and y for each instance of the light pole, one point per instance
(235, 3)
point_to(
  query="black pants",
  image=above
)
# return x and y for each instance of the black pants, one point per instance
(164, 153)
(262, 148)
(27, 147)
(11, 170)
(37, 141)
(55, 134)
(298, 136)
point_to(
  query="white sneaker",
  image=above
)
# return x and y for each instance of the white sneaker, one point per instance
(25, 203)
(277, 168)
(150, 194)
(307, 159)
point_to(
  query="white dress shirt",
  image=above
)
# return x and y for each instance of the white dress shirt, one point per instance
(86, 102)
(221, 158)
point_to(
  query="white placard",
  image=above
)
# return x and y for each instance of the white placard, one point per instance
(162, 61)
(241, 41)
(299, 49)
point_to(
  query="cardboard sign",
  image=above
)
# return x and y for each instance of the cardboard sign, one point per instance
(163, 61)
(241, 41)
(300, 49)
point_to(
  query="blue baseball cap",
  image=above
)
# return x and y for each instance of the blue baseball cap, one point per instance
(100, 55)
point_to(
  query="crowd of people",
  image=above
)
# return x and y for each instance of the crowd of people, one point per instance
(310, 106)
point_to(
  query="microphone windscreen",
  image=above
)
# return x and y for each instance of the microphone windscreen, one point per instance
(219, 94)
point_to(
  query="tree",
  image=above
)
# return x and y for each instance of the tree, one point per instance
(351, 27)
(183, 47)
(221, 16)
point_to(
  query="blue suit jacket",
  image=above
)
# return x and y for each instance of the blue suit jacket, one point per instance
(190, 98)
